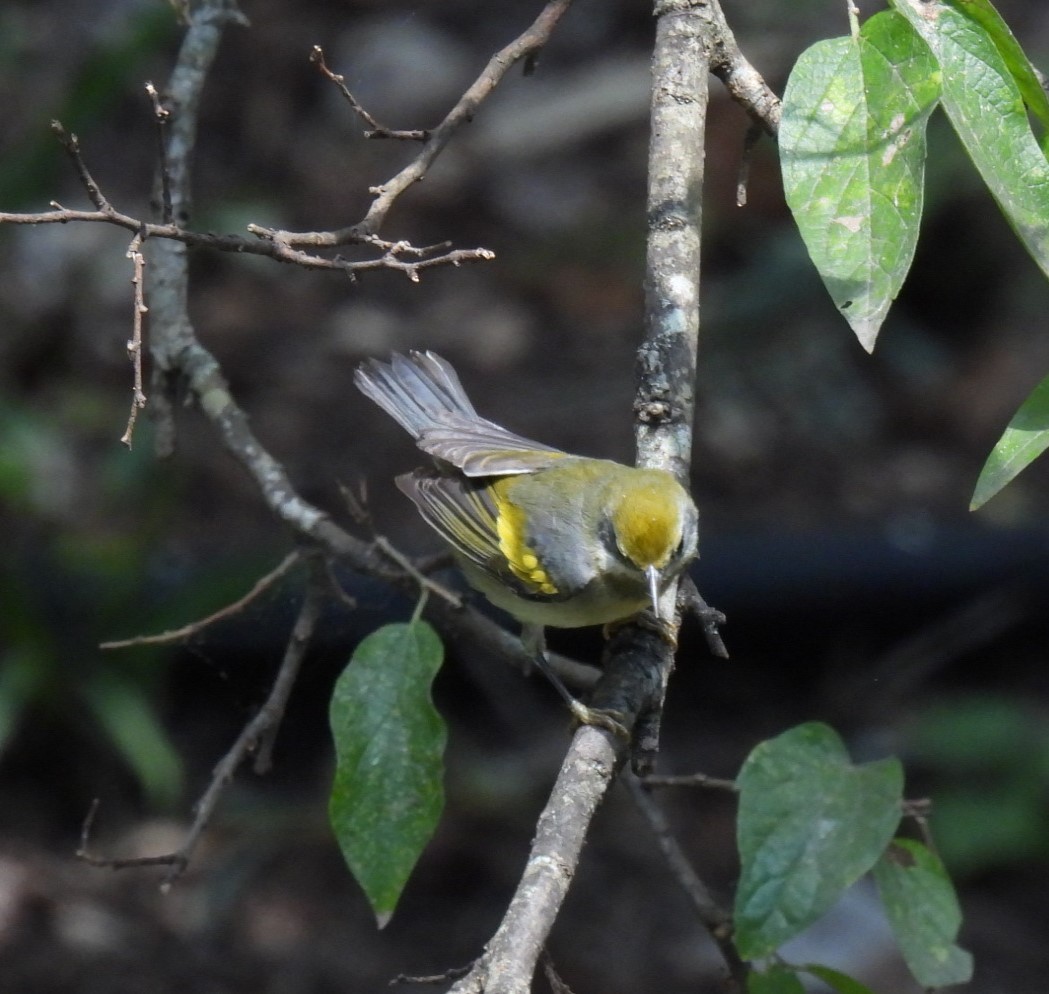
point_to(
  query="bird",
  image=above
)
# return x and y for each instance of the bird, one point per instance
(554, 539)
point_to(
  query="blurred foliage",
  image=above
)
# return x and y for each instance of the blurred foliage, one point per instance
(102, 79)
(989, 759)
(65, 585)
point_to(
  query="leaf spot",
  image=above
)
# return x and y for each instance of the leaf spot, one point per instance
(851, 223)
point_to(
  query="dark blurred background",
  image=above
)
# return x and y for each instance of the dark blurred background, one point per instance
(833, 485)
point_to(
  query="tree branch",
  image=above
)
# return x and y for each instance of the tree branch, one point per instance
(637, 659)
(525, 46)
(256, 737)
(743, 82)
(713, 917)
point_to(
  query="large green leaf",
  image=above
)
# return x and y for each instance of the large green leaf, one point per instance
(1024, 440)
(986, 108)
(810, 824)
(389, 744)
(984, 14)
(852, 149)
(924, 914)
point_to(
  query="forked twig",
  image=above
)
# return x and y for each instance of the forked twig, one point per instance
(257, 736)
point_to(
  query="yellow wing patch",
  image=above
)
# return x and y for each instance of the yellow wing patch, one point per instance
(522, 560)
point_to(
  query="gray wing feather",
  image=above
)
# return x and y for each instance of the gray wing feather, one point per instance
(422, 393)
(459, 512)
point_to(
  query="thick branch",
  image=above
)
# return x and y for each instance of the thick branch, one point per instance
(637, 659)
(171, 330)
(510, 957)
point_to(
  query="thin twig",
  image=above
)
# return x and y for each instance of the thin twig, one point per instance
(690, 780)
(424, 581)
(134, 345)
(553, 978)
(376, 129)
(712, 916)
(196, 627)
(84, 853)
(257, 735)
(71, 144)
(270, 246)
(452, 973)
(161, 115)
(271, 715)
(692, 602)
(525, 46)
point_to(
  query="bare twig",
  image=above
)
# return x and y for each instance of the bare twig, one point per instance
(71, 144)
(194, 628)
(526, 45)
(712, 916)
(553, 978)
(392, 257)
(743, 82)
(161, 115)
(665, 400)
(452, 973)
(690, 780)
(424, 581)
(84, 853)
(257, 736)
(376, 129)
(691, 601)
(134, 345)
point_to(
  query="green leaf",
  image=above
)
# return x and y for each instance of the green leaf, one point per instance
(1025, 438)
(852, 151)
(923, 911)
(810, 824)
(389, 744)
(986, 108)
(774, 980)
(1019, 66)
(840, 982)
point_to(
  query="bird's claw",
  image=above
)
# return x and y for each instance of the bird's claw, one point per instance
(606, 718)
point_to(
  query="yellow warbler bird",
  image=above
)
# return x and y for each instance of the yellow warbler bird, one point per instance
(551, 538)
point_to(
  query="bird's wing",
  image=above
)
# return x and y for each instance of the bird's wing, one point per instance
(482, 448)
(460, 512)
(465, 515)
(423, 394)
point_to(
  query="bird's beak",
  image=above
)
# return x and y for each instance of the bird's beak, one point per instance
(653, 588)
